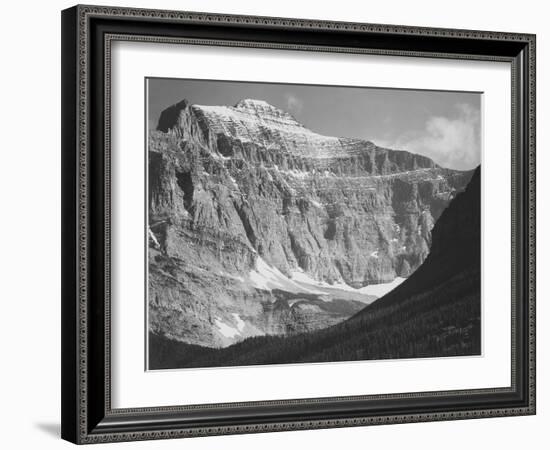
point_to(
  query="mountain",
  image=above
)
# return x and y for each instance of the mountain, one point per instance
(258, 225)
(436, 312)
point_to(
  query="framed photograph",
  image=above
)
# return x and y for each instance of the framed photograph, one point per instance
(279, 224)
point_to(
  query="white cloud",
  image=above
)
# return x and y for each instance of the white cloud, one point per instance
(453, 142)
(294, 104)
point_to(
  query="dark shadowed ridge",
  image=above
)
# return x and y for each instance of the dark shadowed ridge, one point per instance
(435, 313)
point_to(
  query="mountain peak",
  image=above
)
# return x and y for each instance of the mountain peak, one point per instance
(257, 122)
(253, 103)
(169, 117)
(264, 109)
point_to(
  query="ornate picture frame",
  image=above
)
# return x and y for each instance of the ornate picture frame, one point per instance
(88, 34)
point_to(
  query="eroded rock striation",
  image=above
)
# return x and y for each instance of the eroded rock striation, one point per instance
(258, 225)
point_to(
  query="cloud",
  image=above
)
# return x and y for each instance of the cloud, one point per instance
(294, 104)
(453, 142)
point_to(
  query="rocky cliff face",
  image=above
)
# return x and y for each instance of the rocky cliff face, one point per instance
(259, 225)
(436, 312)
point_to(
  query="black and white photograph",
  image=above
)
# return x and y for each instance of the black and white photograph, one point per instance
(275, 225)
(295, 223)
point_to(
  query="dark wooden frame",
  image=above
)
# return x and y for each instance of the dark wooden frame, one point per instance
(87, 32)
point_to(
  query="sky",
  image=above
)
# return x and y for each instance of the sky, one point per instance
(443, 125)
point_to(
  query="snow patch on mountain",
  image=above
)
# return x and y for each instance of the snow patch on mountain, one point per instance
(377, 290)
(381, 289)
(226, 330)
(153, 238)
(267, 278)
(240, 322)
